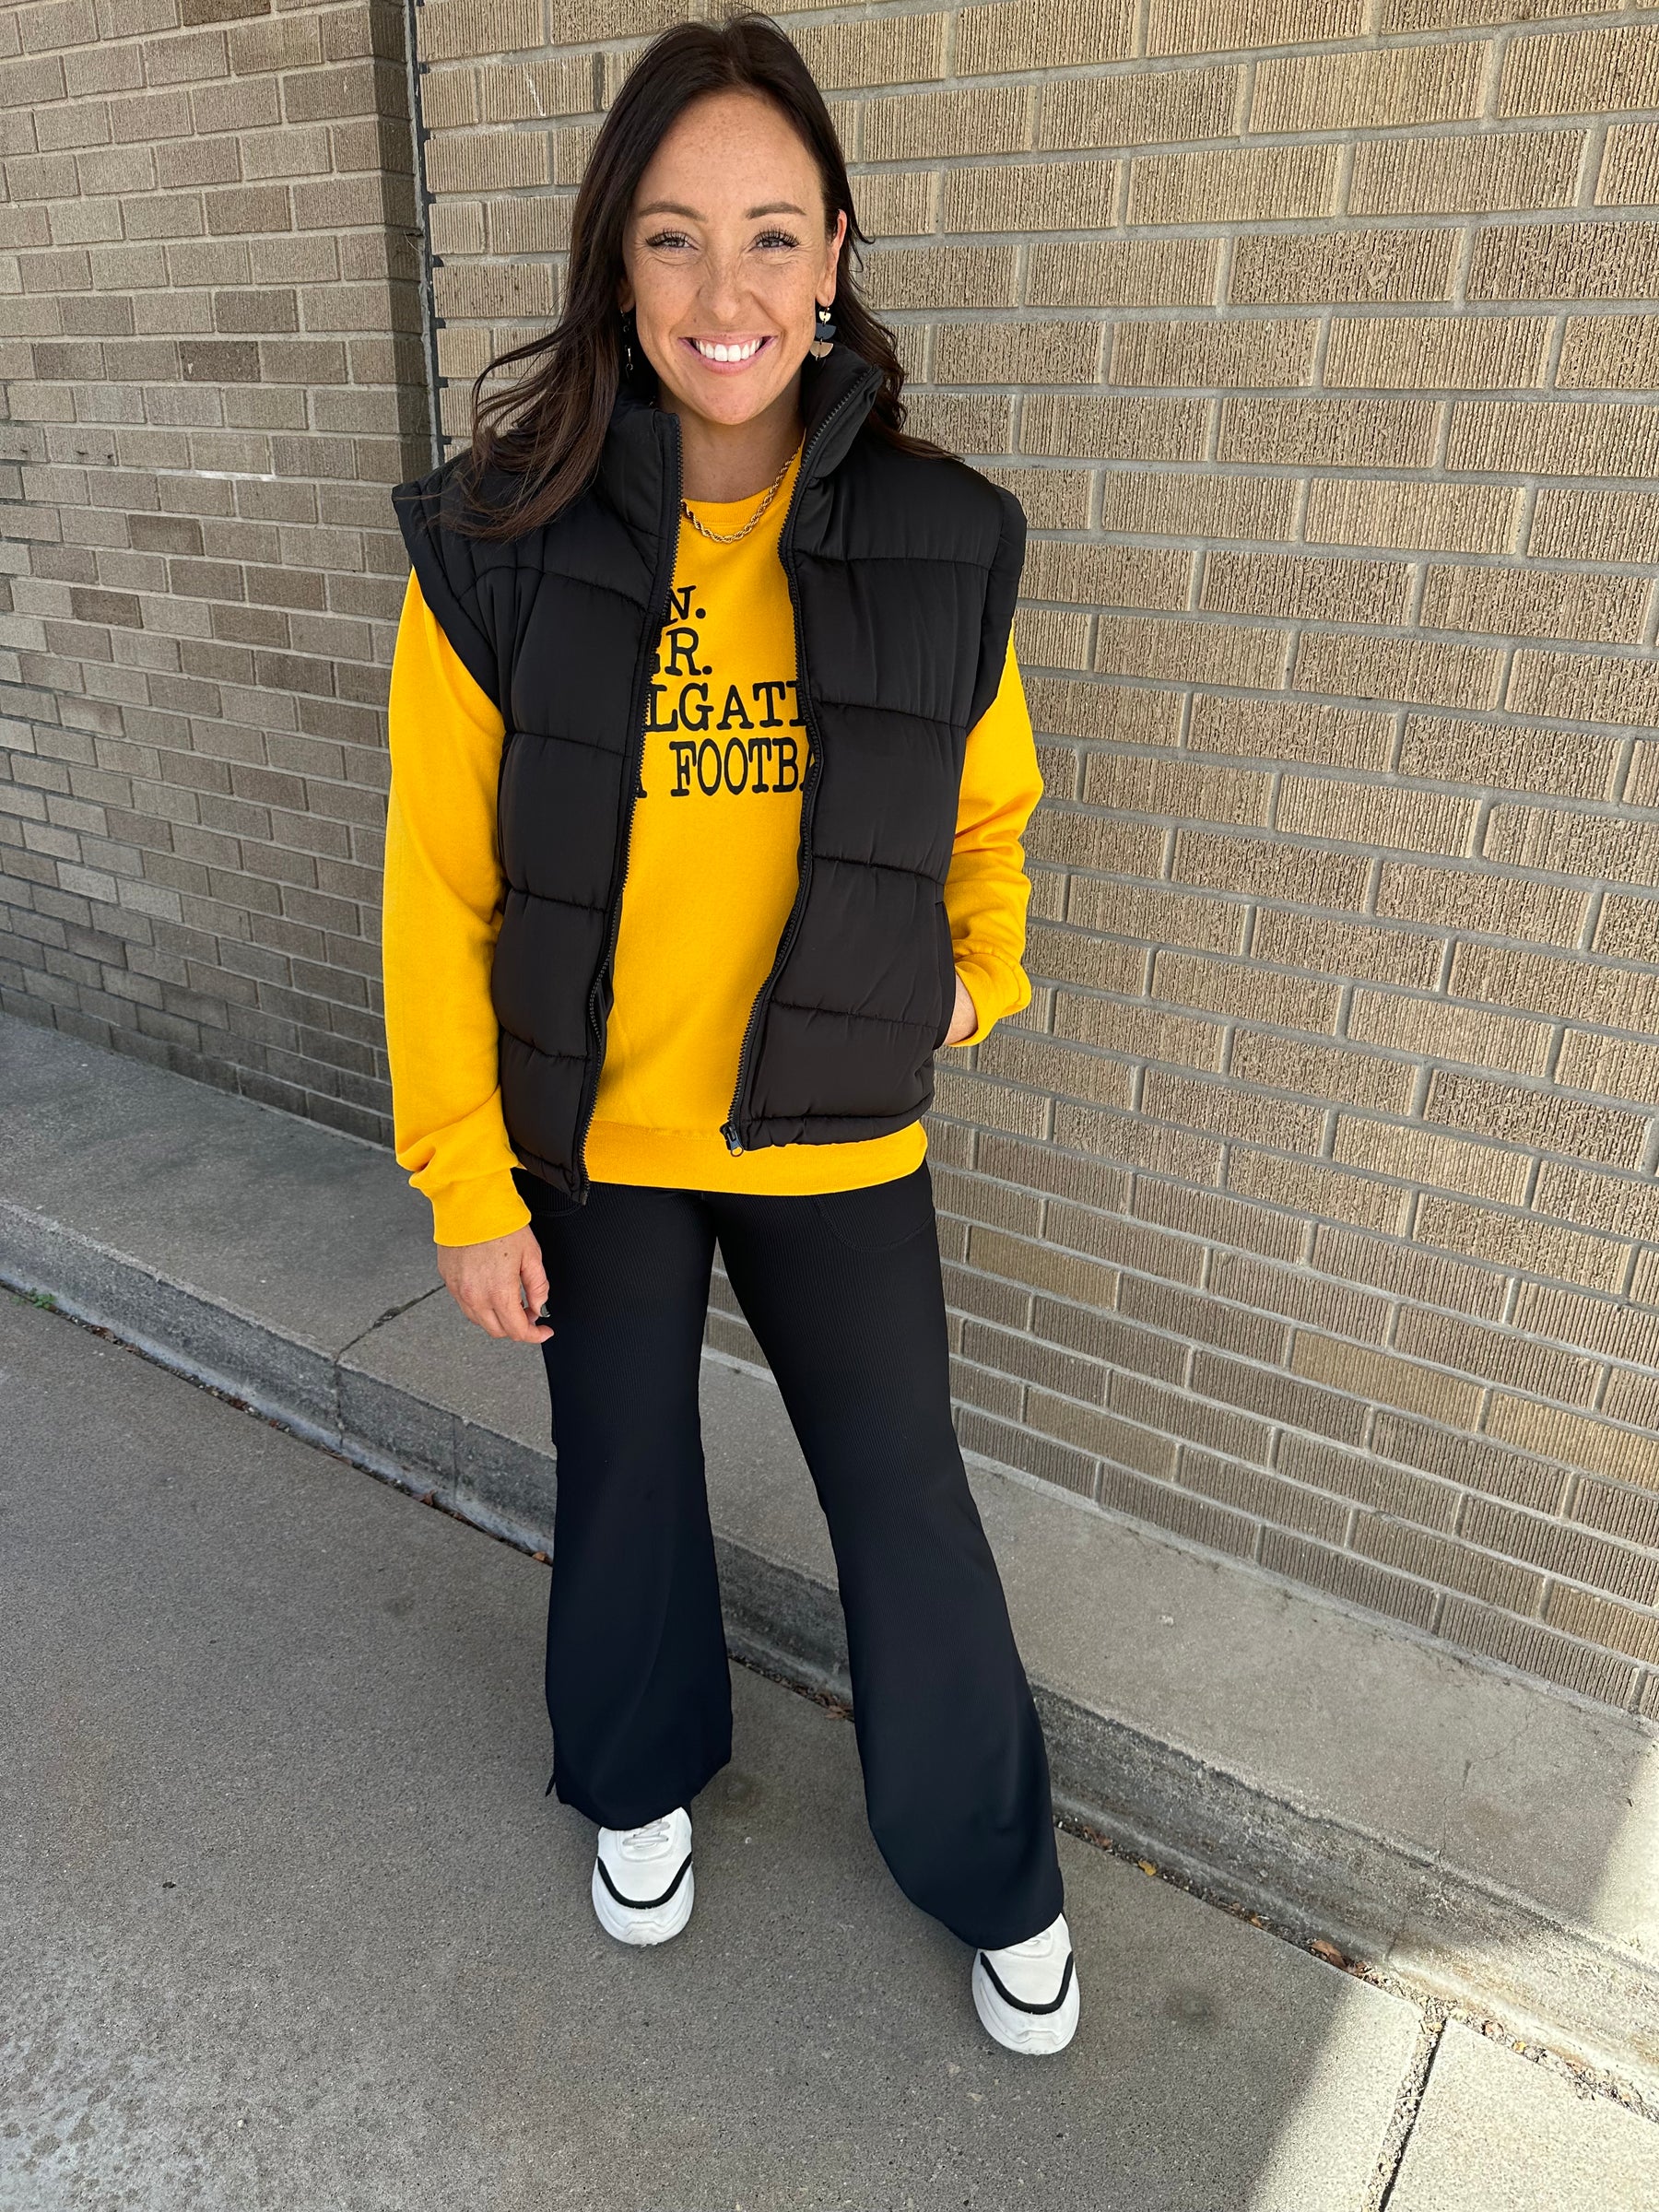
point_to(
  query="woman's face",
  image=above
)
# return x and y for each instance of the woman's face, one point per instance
(727, 257)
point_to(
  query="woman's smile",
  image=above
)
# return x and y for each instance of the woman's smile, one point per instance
(726, 355)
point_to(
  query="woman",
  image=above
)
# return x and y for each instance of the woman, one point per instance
(696, 616)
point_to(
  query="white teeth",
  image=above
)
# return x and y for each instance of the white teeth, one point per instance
(713, 352)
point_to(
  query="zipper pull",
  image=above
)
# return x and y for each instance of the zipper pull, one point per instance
(729, 1131)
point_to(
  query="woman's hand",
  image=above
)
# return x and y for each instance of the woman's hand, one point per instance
(965, 1020)
(499, 1284)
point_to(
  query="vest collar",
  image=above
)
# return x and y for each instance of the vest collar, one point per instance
(836, 397)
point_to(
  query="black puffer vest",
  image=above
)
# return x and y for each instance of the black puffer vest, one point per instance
(902, 573)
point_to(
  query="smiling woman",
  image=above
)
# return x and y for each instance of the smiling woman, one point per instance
(709, 769)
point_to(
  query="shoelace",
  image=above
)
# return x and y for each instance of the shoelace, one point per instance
(643, 1843)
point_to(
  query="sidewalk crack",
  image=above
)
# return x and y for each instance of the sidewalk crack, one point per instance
(1408, 2100)
(391, 1313)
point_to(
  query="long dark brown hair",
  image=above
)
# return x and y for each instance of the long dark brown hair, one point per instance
(544, 433)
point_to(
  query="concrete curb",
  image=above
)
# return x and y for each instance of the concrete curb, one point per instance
(1380, 1898)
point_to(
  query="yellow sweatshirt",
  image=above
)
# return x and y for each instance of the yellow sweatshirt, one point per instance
(712, 874)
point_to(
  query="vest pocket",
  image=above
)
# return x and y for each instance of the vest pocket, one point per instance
(947, 975)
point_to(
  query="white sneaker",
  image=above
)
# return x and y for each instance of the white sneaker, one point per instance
(642, 1880)
(1026, 1994)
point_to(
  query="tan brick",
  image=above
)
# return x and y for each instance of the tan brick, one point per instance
(1629, 166)
(1562, 437)
(964, 422)
(1040, 1267)
(1362, 91)
(1139, 1031)
(1490, 173)
(1609, 353)
(1095, 710)
(1126, 1244)
(1073, 837)
(1096, 575)
(1043, 34)
(1471, 1461)
(1610, 260)
(1070, 956)
(1158, 916)
(1132, 1142)
(1569, 1552)
(1416, 353)
(1201, 354)
(1348, 948)
(1278, 1397)
(1385, 1380)
(896, 203)
(1229, 1113)
(1328, 433)
(1115, 428)
(1497, 906)
(1161, 107)
(1368, 1482)
(1337, 266)
(1220, 1220)
(1252, 1492)
(1481, 1232)
(1412, 1154)
(1170, 651)
(1543, 1119)
(1290, 1000)
(940, 277)
(1599, 1620)
(1102, 1433)
(1619, 1068)
(1580, 73)
(487, 161)
(1596, 1324)
(1306, 1188)
(1628, 928)
(1441, 1560)
(1534, 1651)
(1497, 1355)
(1538, 602)
(1030, 195)
(1145, 272)
(1238, 25)
(1156, 503)
(1571, 988)
(460, 30)
(1045, 639)
(1291, 729)
(1053, 498)
(1254, 867)
(1301, 1295)
(1409, 1273)
(1413, 672)
(880, 50)
(1634, 1398)
(1595, 845)
(1508, 756)
(1188, 1516)
(933, 126)
(1322, 1072)
(518, 93)
(1342, 1575)
(1189, 1313)
(1642, 787)
(1130, 782)
(1376, 814)
(1257, 184)
(1381, 510)
(1439, 1032)
(1017, 353)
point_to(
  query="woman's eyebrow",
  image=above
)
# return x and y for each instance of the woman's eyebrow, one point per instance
(694, 216)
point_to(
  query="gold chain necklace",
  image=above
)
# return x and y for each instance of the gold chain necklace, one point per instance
(730, 538)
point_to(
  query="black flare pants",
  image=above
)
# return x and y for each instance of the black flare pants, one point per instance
(844, 1295)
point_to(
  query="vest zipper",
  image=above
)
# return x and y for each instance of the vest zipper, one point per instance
(729, 1128)
(657, 613)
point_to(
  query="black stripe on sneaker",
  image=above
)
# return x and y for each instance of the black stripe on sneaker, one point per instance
(643, 1904)
(1020, 2003)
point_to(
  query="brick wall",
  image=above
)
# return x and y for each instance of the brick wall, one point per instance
(1310, 1210)
(212, 369)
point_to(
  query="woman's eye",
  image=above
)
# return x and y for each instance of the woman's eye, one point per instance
(668, 238)
(777, 237)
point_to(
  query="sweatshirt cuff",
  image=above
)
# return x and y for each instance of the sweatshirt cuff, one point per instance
(476, 1209)
(997, 987)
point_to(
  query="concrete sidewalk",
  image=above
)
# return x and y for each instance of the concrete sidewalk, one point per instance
(1484, 1835)
(288, 1920)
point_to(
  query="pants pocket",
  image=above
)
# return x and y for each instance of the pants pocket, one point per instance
(879, 1215)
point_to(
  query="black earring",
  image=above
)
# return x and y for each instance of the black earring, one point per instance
(824, 338)
(628, 339)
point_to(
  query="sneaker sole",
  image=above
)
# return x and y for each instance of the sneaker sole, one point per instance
(1034, 2034)
(657, 1924)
